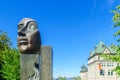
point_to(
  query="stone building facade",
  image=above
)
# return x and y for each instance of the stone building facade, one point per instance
(98, 68)
(84, 72)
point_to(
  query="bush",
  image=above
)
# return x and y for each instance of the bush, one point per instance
(9, 59)
(10, 65)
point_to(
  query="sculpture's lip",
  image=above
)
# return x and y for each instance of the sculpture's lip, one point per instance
(23, 41)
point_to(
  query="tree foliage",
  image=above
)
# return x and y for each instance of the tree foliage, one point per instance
(4, 41)
(61, 78)
(9, 59)
(4, 44)
(11, 64)
(114, 58)
(116, 24)
(116, 21)
(76, 78)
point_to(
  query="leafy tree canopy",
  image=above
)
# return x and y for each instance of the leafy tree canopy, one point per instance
(62, 78)
(9, 59)
(116, 24)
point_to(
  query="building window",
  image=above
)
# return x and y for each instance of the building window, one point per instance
(103, 46)
(98, 58)
(112, 65)
(110, 73)
(104, 65)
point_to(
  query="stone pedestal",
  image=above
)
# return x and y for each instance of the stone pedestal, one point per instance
(29, 66)
(36, 65)
(47, 63)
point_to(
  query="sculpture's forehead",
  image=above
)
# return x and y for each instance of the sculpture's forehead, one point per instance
(26, 20)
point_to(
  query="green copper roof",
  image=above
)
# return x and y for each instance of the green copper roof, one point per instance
(100, 49)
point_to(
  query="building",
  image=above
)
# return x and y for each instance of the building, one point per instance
(84, 72)
(98, 68)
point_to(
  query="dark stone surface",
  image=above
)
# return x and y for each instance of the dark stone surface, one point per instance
(28, 36)
(44, 62)
(29, 63)
(35, 60)
(47, 63)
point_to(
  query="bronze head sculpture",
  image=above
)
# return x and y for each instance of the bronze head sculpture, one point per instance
(28, 36)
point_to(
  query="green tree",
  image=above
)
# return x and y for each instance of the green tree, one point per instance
(9, 59)
(62, 78)
(4, 41)
(76, 78)
(116, 21)
(116, 24)
(11, 64)
(4, 44)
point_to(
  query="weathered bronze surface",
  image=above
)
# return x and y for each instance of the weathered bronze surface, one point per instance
(29, 67)
(28, 36)
(35, 60)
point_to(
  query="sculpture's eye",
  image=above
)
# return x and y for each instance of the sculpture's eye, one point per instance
(32, 26)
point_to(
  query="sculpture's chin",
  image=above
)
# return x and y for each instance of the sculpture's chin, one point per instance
(23, 48)
(27, 49)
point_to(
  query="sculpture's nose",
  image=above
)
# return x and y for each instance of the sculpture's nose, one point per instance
(21, 32)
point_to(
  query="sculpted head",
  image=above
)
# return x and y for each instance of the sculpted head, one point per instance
(28, 36)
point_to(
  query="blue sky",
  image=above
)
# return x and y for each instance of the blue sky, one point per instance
(71, 27)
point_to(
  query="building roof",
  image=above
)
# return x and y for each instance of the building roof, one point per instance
(83, 68)
(100, 48)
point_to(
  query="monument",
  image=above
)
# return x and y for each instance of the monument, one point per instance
(46, 64)
(35, 59)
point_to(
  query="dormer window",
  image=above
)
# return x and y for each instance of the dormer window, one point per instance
(103, 46)
(95, 47)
